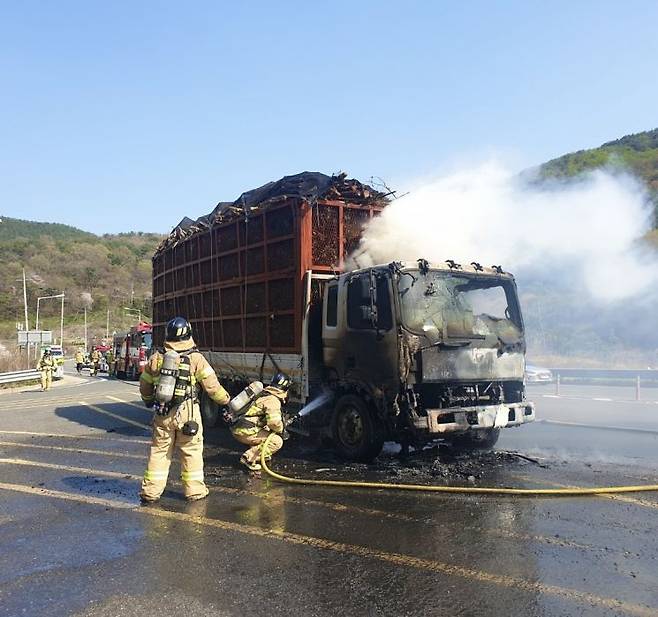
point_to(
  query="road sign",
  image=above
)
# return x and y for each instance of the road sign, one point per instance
(35, 337)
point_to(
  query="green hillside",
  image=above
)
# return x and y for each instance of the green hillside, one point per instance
(635, 153)
(96, 272)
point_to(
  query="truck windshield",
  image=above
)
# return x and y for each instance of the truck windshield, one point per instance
(445, 306)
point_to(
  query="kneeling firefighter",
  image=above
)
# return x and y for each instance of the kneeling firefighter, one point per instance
(170, 384)
(262, 417)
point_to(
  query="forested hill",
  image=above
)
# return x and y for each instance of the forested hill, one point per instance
(95, 272)
(636, 153)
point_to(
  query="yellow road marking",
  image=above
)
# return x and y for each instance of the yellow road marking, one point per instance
(397, 559)
(137, 406)
(82, 470)
(63, 449)
(101, 436)
(309, 502)
(632, 500)
(41, 404)
(45, 492)
(116, 416)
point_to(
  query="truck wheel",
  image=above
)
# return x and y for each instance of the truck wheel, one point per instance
(132, 373)
(477, 440)
(209, 411)
(357, 435)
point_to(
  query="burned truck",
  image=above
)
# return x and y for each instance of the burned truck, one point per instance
(404, 352)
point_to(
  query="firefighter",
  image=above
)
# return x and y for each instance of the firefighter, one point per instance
(79, 360)
(177, 425)
(109, 358)
(261, 419)
(95, 361)
(46, 366)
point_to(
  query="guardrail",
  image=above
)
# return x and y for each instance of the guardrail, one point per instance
(18, 376)
(628, 377)
(604, 373)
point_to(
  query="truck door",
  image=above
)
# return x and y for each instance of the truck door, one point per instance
(363, 339)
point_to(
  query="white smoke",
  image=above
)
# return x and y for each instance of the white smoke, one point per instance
(589, 228)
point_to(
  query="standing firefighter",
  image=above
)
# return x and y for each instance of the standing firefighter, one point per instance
(169, 384)
(46, 366)
(261, 419)
(109, 358)
(95, 361)
(79, 360)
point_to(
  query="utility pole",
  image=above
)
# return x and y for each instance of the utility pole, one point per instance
(107, 325)
(27, 323)
(86, 345)
(61, 326)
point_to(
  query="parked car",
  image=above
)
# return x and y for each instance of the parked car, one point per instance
(538, 374)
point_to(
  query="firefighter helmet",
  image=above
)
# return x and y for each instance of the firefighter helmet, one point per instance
(281, 381)
(178, 329)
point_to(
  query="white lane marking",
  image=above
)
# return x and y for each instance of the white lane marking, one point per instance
(116, 416)
(602, 399)
(101, 436)
(550, 396)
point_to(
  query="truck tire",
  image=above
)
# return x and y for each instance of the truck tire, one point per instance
(357, 435)
(209, 411)
(484, 439)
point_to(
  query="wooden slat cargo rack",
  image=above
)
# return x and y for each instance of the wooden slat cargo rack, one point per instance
(238, 274)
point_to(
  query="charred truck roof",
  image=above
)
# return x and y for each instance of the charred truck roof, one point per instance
(237, 273)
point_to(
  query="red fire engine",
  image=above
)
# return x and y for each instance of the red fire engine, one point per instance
(131, 350)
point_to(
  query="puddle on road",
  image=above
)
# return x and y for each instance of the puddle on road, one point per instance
(104, 487)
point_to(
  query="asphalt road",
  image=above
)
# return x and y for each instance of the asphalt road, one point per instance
(74, 540)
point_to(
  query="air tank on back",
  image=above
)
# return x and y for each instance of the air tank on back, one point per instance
(245, 397)
(164, 391)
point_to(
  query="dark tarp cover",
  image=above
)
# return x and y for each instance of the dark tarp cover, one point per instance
(308, 186)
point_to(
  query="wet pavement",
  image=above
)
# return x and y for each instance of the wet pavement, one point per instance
(74, 540)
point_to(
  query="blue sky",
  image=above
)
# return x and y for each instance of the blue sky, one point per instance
(123, 116)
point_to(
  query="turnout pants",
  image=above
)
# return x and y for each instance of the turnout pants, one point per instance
(46, 379)
(168, 437)
(252, 455)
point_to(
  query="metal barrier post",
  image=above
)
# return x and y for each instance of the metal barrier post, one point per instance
(637, 389)
(557, 385)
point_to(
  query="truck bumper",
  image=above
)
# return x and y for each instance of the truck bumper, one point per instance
(461, 419)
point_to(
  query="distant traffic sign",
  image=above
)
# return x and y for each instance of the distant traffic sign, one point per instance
(35, 337)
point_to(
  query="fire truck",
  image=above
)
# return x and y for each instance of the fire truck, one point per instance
(131, 350)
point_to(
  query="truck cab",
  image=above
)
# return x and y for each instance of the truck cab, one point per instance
(423, 352)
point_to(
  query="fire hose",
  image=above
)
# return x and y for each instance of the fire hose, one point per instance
(553, 492)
